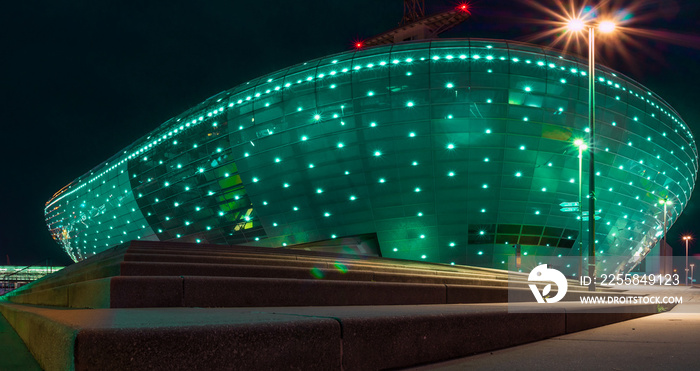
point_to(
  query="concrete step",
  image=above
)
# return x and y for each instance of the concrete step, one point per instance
(148, 274)
(204, 250)
(207, 291)
(156, 247)
(139, 268)
(308, 338)
(286, 260)
(387, 266)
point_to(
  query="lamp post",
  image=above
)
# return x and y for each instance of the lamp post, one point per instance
(691, 274)
(686, 239)
(664, 202)
(591, 164)
(581, 147)
(605, 27)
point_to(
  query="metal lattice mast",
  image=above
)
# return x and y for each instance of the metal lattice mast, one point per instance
(413, 10)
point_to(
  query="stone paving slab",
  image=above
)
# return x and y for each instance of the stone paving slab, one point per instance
(178, 339)
(15, 355)
(665, 341)
(357, 337)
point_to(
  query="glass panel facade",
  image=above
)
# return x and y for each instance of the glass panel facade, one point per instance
(449, 151)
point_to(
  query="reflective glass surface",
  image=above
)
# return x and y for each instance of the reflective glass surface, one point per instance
(451, 151)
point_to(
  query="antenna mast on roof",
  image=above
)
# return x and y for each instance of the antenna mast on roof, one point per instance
(416, 26)
(413, 10)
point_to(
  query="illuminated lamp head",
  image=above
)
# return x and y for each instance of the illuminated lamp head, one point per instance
(464, 7)
(575, 25)
(359, 44)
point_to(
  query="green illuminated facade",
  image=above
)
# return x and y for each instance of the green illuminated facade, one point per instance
(449, 150)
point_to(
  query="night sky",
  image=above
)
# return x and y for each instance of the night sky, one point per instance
(83, 79)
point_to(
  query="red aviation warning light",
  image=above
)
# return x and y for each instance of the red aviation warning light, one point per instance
(416, 26)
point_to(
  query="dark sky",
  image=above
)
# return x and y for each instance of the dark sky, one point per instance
(83, 79)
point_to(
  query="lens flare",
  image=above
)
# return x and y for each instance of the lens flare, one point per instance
(316, 273)
(576, 25)
(340, 267)
(618, 25)
(606, 26)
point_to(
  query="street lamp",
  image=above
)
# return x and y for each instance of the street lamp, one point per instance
(691, 274)
(581, 147)
(664, 202)
(577, 25)
(686, 239)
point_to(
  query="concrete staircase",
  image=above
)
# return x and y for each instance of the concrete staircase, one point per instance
(155, 274)
(155, 305)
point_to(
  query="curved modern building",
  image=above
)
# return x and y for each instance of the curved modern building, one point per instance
(447, 151)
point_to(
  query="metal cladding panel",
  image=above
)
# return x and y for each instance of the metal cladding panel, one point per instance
(449, 150)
